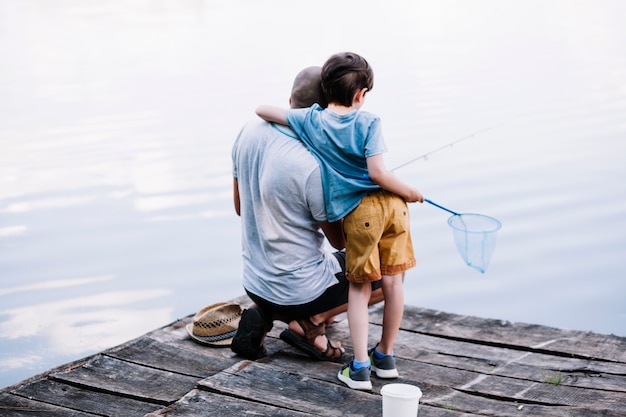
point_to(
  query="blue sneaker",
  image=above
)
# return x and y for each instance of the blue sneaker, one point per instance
(384, 367)
(359, 379)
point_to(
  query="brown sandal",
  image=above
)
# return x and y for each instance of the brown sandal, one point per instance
(311, 331)
(331, 353)
(306, 343)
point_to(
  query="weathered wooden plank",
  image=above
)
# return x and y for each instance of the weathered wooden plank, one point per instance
(452, 399)
(129, 380)
(502, 354)
(537, 367)
(268, 385)
(68, 396)
(549, 394)
(511, 389)
(520, 365)
(271, 385)
(200, 402)
(452, 389)
(203, 403)
(439, 390)
(514, 390)
(16, 406)
(203, 362)
(523, 368)
(504, 333)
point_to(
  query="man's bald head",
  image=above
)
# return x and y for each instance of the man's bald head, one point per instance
(307, 89)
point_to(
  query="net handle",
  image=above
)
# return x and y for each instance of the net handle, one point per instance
(441, 207)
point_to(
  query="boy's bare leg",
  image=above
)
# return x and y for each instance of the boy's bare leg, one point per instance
(358, 320)
(376, 297)
(328, 316)
(393, 311)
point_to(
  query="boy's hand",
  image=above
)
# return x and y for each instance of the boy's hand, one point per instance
(414, 196)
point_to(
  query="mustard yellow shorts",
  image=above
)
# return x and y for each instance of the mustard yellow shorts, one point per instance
(378, 238)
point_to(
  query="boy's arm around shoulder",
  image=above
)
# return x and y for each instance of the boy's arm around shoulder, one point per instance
(387, 180)
(272, 114)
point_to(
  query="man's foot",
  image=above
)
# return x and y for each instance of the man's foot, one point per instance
(311, 339)
(250, 333)
(330, 353)
(384, 367)
(359, 379)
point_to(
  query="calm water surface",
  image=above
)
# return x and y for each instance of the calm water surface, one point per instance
(117, 118)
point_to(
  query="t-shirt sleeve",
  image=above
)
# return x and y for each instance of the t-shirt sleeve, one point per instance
(305, 122)
(375, 143)
(296, 119)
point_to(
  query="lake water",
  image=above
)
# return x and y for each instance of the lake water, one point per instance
(117, 119)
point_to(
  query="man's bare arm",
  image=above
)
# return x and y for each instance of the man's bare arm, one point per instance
(236, 199)
(334, 234)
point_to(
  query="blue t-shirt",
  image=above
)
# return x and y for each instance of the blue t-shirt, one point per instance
(341, 144)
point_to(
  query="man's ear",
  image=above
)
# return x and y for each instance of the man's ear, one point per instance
(289, 101)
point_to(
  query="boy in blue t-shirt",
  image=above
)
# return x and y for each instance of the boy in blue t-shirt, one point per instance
(348, 145)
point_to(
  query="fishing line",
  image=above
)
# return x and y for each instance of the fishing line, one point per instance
(448, 145)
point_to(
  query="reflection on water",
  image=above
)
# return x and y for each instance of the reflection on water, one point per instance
(47, 285)
(91, 323)
(73, 325)
(117, 118)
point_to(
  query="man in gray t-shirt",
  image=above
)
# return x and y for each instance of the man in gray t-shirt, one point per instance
(287, 270)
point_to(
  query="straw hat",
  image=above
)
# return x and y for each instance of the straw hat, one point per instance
(215, 325)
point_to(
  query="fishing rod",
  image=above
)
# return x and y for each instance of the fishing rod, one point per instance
(448, 145)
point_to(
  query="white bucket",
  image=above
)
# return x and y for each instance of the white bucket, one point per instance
(400, 400)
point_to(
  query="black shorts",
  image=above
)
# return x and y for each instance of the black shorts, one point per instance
(334, 296)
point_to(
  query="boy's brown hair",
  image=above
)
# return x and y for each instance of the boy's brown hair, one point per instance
(344, 74)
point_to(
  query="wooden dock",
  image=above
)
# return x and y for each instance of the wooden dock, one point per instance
(465, 366)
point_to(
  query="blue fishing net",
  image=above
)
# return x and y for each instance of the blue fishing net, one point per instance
(475, 238)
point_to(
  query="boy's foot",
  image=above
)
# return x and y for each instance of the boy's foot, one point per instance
(384, 367)
(359, 379)
(249, 336)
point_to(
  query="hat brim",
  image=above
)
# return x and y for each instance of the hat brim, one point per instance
(223, 340)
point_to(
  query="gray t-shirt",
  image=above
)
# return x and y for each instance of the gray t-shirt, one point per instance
(284, 256)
